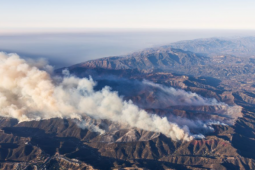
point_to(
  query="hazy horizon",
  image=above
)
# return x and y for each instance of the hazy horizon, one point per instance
(65, 49)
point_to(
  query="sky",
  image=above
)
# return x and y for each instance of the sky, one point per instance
(101, 28)
(92, 15)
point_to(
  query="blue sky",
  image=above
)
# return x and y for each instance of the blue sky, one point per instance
(48, 15)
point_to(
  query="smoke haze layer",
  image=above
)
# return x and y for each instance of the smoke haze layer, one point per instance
(29, 93)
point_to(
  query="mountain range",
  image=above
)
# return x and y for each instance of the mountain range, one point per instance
(202, 70)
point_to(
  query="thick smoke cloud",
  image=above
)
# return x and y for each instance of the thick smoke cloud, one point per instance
(30, 93)
(27, 93)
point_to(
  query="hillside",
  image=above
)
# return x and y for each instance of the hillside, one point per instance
(148, 59)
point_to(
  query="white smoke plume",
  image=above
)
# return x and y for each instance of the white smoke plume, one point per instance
(28, 93)
(181, 97)
(85, 124)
